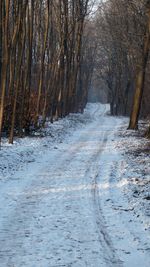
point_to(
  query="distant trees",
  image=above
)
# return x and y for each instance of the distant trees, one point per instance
(42, 59)
(122, 29)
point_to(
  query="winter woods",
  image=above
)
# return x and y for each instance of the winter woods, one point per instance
(41, 63)
(122, 64)
(51, 54)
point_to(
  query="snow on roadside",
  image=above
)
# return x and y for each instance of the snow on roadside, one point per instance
(131, 144)
(25, 150)
(121, 175)
(125, 199)
(135, 149)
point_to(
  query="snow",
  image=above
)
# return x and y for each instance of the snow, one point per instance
(68, 195)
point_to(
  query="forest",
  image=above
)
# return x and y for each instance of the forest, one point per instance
(53, 52)
(74, 133)
(42, 59)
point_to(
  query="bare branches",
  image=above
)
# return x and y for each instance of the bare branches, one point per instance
(40, 62)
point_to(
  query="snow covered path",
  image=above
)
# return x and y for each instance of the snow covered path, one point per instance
(68, 207)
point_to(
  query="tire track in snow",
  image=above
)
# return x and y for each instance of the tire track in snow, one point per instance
(109, 252)
(48, 209)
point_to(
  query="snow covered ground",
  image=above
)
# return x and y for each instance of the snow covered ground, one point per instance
(76, 194)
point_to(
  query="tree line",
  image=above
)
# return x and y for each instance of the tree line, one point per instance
(44, 70)
(122, 62)
(52, 52)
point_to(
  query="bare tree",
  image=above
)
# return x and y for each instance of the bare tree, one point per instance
(41, 62)
(140, 76)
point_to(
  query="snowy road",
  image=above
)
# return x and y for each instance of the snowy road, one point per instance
(67, 208)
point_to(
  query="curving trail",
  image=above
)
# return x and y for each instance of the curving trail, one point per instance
(60, 212)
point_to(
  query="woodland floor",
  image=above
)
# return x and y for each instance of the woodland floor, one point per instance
(76, 194)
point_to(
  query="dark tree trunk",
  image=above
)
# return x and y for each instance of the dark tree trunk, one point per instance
(140, 77)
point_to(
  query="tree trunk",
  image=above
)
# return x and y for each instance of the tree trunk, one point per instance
(4, 64)
(140, 77)
(21, 43)
(148, 133)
